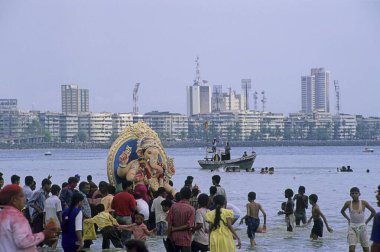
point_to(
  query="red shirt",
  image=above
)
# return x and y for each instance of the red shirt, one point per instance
(124, 204)
(181, 213)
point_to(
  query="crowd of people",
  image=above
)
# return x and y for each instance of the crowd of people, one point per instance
(79, 211)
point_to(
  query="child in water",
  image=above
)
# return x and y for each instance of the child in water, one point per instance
(316, 215)
(288, 209)
(252, 218)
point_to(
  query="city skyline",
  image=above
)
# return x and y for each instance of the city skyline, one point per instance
(108, 48)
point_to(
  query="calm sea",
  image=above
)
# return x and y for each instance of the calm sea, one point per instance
(313, 167)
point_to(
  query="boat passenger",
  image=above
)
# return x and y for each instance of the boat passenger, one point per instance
(245, 154)
(214, 145)
(227, 151)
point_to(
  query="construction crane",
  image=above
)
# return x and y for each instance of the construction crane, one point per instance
(263, 100)
(337, 95)
(135, 99)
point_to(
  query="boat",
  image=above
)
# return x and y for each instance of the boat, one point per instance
(48, 153)
(242, 163)
(366, 149)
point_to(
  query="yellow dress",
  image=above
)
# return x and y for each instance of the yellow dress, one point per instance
(221, 239)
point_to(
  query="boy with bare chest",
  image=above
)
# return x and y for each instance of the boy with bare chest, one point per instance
(252, 217)
(317, 215)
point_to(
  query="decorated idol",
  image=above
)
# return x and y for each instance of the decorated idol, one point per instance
(137, 155)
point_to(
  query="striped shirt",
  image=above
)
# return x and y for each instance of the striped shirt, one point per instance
(181, 213)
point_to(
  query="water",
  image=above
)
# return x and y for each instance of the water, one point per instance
(313, 167)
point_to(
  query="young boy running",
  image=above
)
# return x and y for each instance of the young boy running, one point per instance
(252, 218)
(316, 215)
(357, 230)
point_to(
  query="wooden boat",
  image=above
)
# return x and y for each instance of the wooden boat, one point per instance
(48, 153)
(243, 163)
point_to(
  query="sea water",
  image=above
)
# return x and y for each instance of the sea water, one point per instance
(313, 167)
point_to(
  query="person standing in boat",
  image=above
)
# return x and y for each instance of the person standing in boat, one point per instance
(227, 151)
(214, 145)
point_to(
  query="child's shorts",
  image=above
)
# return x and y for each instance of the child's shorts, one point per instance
(252, 225)
(317, 228)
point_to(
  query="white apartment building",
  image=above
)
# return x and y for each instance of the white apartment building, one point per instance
(272, 125)
(120, 121)
(100, 127)
(69, 127)
(221, 125)
(50, 121)
(249, 122)
(344, 126)
(15, 124)
(167, 125)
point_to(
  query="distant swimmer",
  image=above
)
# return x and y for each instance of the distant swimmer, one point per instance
(317, 215)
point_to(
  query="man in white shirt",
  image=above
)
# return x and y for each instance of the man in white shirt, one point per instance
(53, 209)
(161, 224)
(142, 207)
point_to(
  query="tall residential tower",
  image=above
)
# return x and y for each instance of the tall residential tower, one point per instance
(315, 91)
(74, 100)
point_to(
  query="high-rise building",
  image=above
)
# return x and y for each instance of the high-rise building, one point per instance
(74, 99)
(198, 95)
(198, 100)
(315, 91)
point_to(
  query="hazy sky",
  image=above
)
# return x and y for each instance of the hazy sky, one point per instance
(108, 46)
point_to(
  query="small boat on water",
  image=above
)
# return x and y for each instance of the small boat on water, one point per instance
(242, 163)
(47, 153)
(366, 149)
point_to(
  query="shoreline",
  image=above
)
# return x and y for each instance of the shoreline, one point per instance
(187, 144)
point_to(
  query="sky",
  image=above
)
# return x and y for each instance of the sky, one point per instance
(108, 46)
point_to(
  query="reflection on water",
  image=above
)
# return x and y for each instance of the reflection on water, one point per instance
(313, 167)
